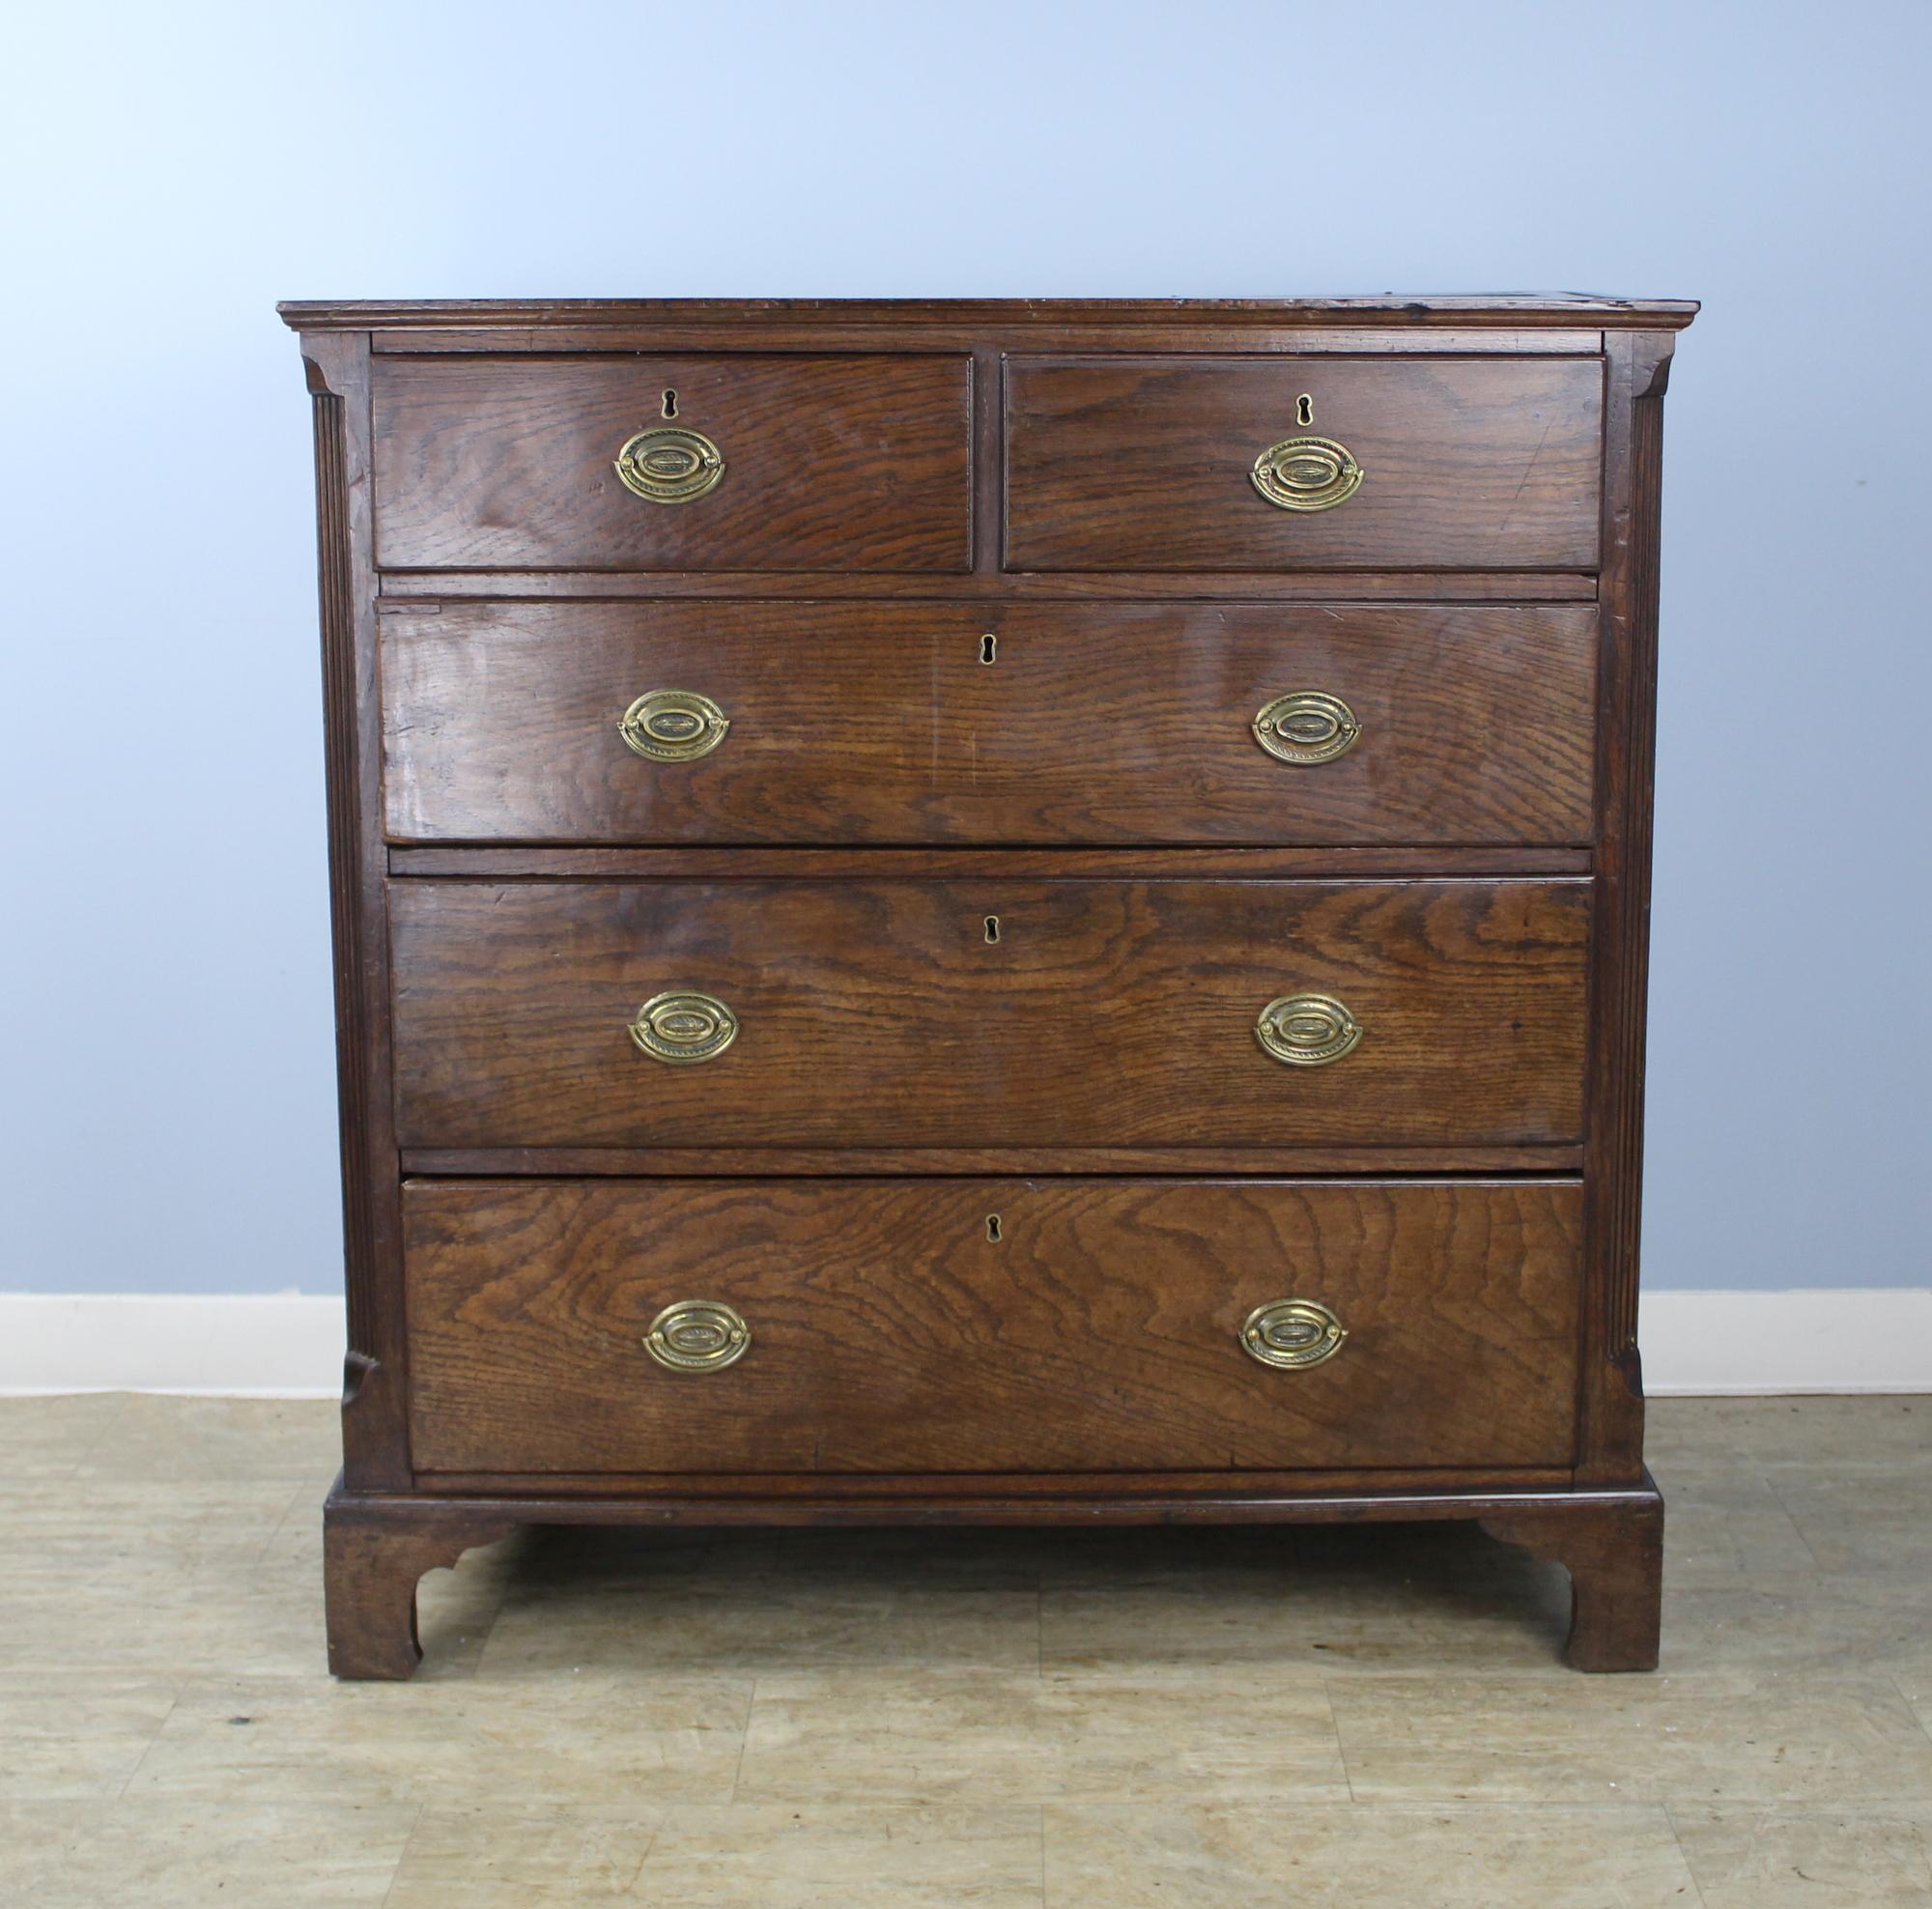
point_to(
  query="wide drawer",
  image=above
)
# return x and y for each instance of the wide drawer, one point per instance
(1150, 464)
(989, 1325)
(918, 722)
(939, 1014)
(763, 462)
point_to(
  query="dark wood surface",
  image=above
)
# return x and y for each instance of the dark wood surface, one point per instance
(430, 587)
(1144, 464)
(1616, 1560)
(377, 1546)
(1515, 1158)
(831, 463)
(879, 1015)
(1070, 476)
(1611, 1394)
(871, 724)
(1099, 1332)
(805, 863)
(1412, 312)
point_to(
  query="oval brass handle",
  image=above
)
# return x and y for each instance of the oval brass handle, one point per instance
(673, 726)
(683, 1027)
(1291, 1333)
(1307, 473)
(1306, 725)
(1307, 1030)
(699, 1335)
(667, 463)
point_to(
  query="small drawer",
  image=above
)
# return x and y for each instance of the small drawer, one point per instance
(1260, 464)
(717, 463)
(909, 724)
(987, 1012)
(989, 1325)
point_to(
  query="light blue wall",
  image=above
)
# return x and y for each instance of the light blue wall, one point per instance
(163, 963)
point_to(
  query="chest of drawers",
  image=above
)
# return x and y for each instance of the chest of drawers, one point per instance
(989, 912)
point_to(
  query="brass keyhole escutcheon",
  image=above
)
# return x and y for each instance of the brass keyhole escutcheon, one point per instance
(667, 463)
(683, 1027)
(1306, 725)
(992, 928)
(989, 649)
(1307, 1030)
(673, 726)
(699, 1335)
(1292, 1334)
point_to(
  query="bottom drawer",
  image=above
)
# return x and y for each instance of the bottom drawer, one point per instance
(997, 1326)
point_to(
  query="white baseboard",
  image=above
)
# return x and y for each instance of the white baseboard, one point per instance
(289, 1345)
(267, 1346)
(1865, 1339)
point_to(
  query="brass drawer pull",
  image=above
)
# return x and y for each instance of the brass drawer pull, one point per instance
(683, 1027)
(1292, 1334)
(699, 1335)
(669, 465)
(1306, 725)
(1307, 473)
(673, 726)
(1307, 1030)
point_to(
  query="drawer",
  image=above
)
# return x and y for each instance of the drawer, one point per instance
(860, 462)
(886, 1328)
(934, 724)
(1149, 464)
(987, 1012)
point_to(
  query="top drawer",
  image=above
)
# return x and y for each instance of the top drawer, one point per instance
(763, 462)
(1150, 464)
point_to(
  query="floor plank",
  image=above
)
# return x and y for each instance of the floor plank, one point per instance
(1000, 1719)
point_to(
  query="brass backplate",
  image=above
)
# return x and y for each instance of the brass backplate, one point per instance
(699, 1335)
(1306, 725)
(670, 465)
(673, 726)
(683, 1027)
(1291, 1333)
(1307, 1030)
(1307, 473)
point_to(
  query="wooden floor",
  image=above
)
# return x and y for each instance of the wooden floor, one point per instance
(1094, 1719)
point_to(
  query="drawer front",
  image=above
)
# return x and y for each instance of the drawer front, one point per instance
(915, 723)
(942, 1013)
(888, 1330)
(858, 463)
(1148, 463)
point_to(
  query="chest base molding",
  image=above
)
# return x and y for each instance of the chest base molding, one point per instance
(376, 1548)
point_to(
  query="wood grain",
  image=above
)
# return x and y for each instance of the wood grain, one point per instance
(903, 477)
(860, 724)
(993, 586)
(1611, 1394)
(831, 463)
(876, 1014)
(952, 864)
(1143, 465)
(891, 1333)
(1413, 311)
(374, 1439)
(796, 1161)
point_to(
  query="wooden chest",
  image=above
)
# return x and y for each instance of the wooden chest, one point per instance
(990, 912)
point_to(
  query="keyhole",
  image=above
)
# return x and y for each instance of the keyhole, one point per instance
(1304, 410)
(989, 649)
(992, 928)
(670, 405)
(993, 1228)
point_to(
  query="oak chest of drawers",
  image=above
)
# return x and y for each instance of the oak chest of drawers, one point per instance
(989, 912)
